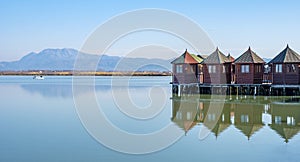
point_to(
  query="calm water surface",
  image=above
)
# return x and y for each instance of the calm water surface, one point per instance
(39, 122)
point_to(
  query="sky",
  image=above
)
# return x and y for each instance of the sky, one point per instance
(233, 25)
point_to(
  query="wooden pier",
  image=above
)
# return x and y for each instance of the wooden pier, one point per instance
(237, 89)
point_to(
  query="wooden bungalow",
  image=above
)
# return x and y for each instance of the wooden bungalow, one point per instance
(249, 68)
(285, 67)
(217, 68)
(187, 69)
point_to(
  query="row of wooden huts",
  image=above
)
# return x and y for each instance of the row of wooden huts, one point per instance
(249, 68)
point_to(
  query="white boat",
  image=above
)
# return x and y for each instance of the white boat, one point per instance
(38, 77)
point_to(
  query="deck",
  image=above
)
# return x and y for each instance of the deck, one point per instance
(237, 89)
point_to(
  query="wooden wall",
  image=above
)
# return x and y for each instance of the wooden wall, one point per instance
(218, 77)
(285, 77)
(252, 77)
(187, 76)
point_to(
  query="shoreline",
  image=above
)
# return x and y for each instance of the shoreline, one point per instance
(84, 73)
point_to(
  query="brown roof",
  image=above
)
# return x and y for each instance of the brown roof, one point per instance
(285, 131)
(187, 58)
(286, 56)
(249, 129)
(217, 57)
(249, 57)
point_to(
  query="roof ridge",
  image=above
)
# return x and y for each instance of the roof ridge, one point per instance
(251, 54)
(219, 55)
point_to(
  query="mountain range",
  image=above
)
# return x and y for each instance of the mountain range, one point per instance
(64, 59)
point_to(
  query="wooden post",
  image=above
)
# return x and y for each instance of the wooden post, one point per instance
(179, 90)
(248, 90)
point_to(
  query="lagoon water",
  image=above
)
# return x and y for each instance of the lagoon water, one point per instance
(39, 122)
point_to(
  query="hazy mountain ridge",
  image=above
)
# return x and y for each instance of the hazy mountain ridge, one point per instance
(64, 59)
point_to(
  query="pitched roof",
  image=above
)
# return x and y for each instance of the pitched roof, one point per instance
(286, 56)
(219, 128)
(285, 131)
(249, 57)
(187, 58)
(249, 129)
(217, 57)
(185, 125)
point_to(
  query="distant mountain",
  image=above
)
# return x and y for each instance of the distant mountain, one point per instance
(64, 59)
(267, 59)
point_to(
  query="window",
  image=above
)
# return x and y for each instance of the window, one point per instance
(290, 120)
(257, 68)
(224, 69)
(245, 118)
(277, 119)
(211, 69)
(179, 115)
(188, 115)
(179, 68)
(193, 68)
(245, 69)
(278, 68)
(190, 68)
(291, 68)
(211, 117)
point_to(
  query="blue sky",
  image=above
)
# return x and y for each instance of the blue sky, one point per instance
(33, 25)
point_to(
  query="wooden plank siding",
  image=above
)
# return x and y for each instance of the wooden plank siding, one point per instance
(188, 75)
(285, 77)
(218, 77)
(252, 77)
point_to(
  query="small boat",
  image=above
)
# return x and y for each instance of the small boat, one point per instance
(38, 77)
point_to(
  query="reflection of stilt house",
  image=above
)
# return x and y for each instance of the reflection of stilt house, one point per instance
(223, 122)
(246, 115)
(217, 68)
(248, 118)
(187, 69)
(285, 67)
(185, 112)
(285, 120)
(249, 68)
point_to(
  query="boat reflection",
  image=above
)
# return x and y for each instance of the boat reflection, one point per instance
(247, 114)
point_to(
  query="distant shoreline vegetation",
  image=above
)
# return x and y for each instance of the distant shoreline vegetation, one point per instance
(87, 73)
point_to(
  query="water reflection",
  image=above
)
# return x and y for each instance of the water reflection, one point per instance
(46, 90)
(59, 90)
(247, 114)
(285, 119)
